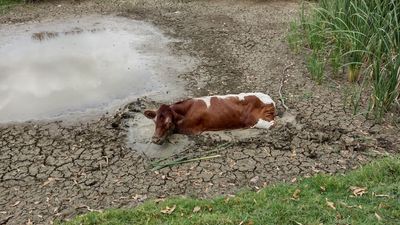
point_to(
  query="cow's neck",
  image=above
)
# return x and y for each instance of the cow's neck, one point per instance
(180, 109)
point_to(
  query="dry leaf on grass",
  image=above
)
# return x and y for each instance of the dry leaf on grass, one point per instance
(347, 206)
(250, 222)
(196, 209)
(298, 223)
(296, 194)
(358, 191)
(168, 210)
(380, 195)
(383, 206)
(330, 204)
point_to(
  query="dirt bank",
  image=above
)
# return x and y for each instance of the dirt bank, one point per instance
(55, 170)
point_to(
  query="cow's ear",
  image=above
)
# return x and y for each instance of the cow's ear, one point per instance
(150, 114)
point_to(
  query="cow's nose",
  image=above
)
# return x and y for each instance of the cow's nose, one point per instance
(156, 140)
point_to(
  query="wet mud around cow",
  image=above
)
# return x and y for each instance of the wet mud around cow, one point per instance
(51, 170)
(84, 66)
(140, 129)
(139, 136)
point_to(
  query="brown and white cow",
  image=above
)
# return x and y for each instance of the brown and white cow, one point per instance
(213, 113)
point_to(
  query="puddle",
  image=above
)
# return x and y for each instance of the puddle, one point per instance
(84, 66)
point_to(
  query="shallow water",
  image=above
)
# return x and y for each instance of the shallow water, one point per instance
(86, 65)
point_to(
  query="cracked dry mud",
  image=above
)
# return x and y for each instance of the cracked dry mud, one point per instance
(56, 170)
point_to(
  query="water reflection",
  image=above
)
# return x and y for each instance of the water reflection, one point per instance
(79, 65)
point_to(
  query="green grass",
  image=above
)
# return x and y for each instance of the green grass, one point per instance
(7, 4)
(360, 36)
(316, 67)
(322, 199)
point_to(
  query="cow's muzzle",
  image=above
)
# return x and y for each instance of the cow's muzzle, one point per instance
(157, 140)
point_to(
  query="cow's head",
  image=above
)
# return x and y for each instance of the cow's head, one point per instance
(164, 121)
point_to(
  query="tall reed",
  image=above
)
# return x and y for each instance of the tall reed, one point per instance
(362, 37)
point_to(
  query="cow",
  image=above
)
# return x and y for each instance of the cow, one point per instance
(213, 113)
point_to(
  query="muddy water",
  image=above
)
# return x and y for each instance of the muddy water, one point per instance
(86, 65)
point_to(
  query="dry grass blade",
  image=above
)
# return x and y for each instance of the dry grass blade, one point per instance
(378, 216)
(281, 86)
(16, 203)
(179, 161)
(89, 209)
(380, 195)
(330, 204)
(186, 156)
(298, 223)
(159, 164)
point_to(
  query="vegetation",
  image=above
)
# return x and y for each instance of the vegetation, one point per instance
(361, 37)
(6, 4)
(369, 195)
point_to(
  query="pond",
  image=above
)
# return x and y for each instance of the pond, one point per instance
(84, 65)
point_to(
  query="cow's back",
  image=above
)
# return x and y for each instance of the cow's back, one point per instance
(214, 113)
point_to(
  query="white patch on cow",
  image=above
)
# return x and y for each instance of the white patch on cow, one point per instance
(266, 99)
(206, 99)
(263, 124)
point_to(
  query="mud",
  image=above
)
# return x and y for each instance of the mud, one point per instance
(53, 170)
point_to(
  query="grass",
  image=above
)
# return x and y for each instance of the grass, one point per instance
(361, 37)
(321, 199)
(7, 4)
(316, 67)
